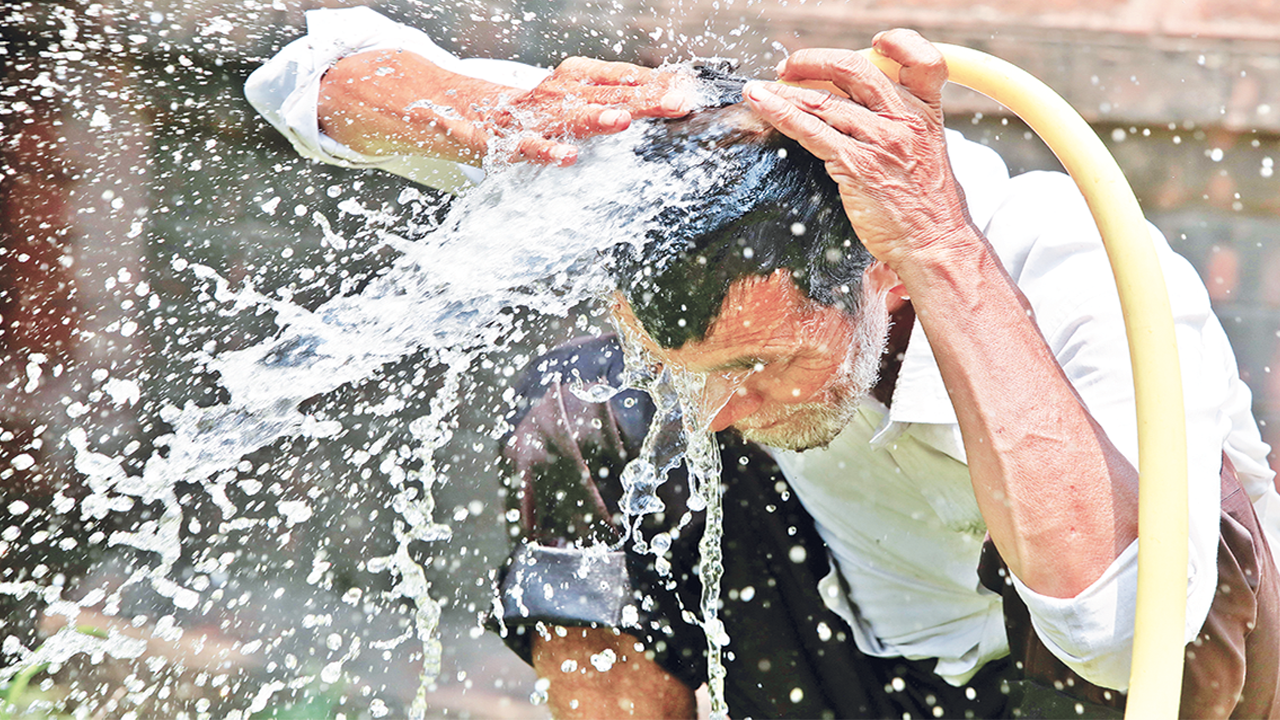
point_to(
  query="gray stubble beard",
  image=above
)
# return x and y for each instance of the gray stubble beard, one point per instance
(816, 424)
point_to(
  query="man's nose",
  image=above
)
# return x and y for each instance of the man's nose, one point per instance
(742, 403)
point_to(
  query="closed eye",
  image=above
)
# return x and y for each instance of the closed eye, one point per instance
(750, 363)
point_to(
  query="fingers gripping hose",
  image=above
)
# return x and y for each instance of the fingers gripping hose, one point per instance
(1155, 677)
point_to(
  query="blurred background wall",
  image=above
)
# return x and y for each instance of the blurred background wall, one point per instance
(127, 153)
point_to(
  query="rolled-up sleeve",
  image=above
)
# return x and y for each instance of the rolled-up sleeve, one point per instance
(286, 89)
(1065, 275)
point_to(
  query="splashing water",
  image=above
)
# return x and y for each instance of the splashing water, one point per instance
(129, 113)
(528, 237)
(680, 433)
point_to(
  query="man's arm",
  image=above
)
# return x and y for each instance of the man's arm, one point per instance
(1059, 499)
(389, 102)
(597, 672)
(570, 611)
(397, 129)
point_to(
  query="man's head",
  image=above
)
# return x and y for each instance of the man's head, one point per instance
(759, 202)
(781, 368)
(758, 283)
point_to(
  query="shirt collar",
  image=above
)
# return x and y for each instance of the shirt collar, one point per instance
(921, 403)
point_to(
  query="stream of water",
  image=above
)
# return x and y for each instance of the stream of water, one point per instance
(528, 237)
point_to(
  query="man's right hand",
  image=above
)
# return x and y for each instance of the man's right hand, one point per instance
(583, 98)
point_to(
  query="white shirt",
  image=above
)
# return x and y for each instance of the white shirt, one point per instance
(892, 496)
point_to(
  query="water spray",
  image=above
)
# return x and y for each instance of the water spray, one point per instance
(1155, 679)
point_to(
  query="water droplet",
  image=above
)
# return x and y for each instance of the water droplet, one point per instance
(539, 694)
(604, 660)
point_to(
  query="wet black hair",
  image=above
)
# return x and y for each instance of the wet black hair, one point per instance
(770, 205)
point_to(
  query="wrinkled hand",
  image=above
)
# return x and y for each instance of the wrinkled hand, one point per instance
(582, 98)
(883, 144)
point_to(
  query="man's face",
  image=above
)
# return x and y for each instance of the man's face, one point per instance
(783, 370)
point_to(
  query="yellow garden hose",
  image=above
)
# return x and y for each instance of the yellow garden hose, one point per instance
(1155, 679)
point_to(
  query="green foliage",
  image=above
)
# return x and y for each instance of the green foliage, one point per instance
(16, 700)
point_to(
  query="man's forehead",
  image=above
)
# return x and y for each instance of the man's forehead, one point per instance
(764, 294)
(756, 310)
(759, 316)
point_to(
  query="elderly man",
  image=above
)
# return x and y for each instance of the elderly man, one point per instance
(930, 491)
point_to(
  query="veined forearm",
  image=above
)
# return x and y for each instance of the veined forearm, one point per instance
(1058, 498)
(389, 102)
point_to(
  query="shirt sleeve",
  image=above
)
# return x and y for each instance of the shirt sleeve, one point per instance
(286, 89)
(1064, 272)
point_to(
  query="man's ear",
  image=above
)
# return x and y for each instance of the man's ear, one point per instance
(881, 278)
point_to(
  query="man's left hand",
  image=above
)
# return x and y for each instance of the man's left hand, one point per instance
(883, 143)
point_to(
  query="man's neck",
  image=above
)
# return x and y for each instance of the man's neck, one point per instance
(900, 324)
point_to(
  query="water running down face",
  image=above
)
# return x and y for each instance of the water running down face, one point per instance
(782, 369)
